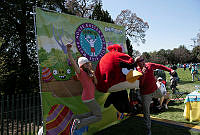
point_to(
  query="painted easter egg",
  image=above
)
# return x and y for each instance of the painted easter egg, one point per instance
(59, 120)
(46, 74)
(121, 116)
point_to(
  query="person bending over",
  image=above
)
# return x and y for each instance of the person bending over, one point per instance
(148, 87)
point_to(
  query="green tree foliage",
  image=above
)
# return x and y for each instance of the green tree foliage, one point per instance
(146, 56)
(43, 54)
(129, 47)
(170, 57)
(136, 53)
(196, 40)
(56, 5)
(177, 55)
(182, 54)
(196, 48)
(196, 54)
(101, 15)
(162, 55)
(155, 57)
(82, 8)
(18, 49)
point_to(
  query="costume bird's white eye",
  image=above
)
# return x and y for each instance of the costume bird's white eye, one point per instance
(68, 71)
(55, 72)
(125, 71)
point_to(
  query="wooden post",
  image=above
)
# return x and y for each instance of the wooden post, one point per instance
(12, 113)
(26, 108)
(38, 111)
(22, 120)
(34, 107)
(2, 111)
(17, 109)
(7, 114)
(30, 112)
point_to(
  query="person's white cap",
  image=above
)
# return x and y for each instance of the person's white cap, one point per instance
(159, 78)
(82, 60)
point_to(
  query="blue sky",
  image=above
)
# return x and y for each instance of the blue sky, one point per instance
(171, 22)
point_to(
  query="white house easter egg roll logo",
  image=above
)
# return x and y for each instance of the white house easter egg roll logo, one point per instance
(90, 41)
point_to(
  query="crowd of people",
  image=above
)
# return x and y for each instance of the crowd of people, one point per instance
(192, 67)
(150, 86)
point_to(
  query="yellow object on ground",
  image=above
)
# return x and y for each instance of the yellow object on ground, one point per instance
(133, 75)
(192, 111)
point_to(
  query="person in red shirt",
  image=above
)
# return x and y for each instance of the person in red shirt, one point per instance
(87, 77)
(148, 87)
(184, 66)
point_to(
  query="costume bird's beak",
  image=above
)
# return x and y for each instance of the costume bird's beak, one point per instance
(133, 75)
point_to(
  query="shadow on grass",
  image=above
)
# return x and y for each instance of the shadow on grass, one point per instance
(171, 109)
(135, 126)
(184, 82)
(176, 103)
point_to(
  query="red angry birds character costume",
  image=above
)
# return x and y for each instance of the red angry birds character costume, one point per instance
(109, 74)
(108, 71)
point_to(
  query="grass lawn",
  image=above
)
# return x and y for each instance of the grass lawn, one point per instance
(135, 126)
(176, 109)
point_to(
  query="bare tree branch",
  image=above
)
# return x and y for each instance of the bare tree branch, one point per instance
(135, 27)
